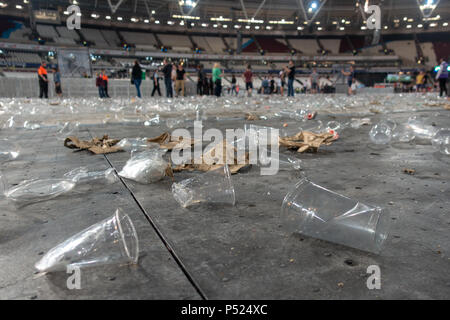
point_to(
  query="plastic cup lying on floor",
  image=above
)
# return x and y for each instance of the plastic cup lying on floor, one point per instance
(8, 150)
(285, 162)
(32, 191)
(319, 213)
(111, 241)
(381, 133)
(441, 141)
(213, 187)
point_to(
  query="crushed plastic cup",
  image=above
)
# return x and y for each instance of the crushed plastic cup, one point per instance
(37, 190)
(31, 125)
(285, 162)
(31, 191)
(381, 133)
(333, 127)
(8, 150)
(136, 144)
(403, 134)
(314, 211)
(441, 141)
(145, 167)
(152, 121)
(67, 129)
(211, 187)
(420, 129)
(111, 241)
(83, 176)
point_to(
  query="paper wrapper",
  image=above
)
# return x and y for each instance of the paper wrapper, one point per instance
(211, 160)
(166, 141)
(102, 145)
(307, 141)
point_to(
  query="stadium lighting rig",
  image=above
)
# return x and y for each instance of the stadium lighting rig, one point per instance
(188, 3)
(427, 7)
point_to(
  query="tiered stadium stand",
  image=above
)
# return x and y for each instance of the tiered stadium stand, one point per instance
(307, 46)
(405, 49)
(95, 36)
(179, 43)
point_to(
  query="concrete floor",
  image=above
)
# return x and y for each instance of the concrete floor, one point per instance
(240, 252)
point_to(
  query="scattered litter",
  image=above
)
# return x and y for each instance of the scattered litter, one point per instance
(212, 187)
(314, 211)
(441, 141)
(102, 145)
(421, 130)
(357, 123)
(215, 158)
(409, 171)
(285, 162)
(146, 167)
(252, 117)
(381, 133)
(166, 141)
(37, 190)
(307, 141)
(136, 144)
(111, 241)
(8, 150)
(31, 125)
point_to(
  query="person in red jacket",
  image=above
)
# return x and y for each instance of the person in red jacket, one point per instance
(100, 84)
(105, 79)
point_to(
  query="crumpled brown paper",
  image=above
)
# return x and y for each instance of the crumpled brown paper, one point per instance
(307, 141)
(102, 145)
(166, 141)
(252, 117)
(210, 160)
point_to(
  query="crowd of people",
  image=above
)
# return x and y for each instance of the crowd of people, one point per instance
(175, 75)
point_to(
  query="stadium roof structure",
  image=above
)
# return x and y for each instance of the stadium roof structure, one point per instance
(256, 16)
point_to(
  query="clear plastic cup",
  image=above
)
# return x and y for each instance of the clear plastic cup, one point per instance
(111, 241)
(32, 191)
(213, 187)
(381, 133)
(314, 211)
(8, 150)
(441, 141)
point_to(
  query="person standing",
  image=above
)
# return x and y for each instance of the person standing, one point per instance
(181, 77)
(420, 81)
(211, 86)
(350, 75)
(200, 79)
(442, 76)
(155, 80)
(105, 82)
(217, 79)
(57, 81)
(136, 77)
(99, 83)
(233, 85)
(43, 80)
(248, 78)
(314, 79)
(290, 71)
(167, 71)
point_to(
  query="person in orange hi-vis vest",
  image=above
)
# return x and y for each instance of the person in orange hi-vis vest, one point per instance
(105, 79)
(43, 80)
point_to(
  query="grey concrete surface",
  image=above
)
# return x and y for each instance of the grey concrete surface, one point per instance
(239, 252)
(28, 233)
